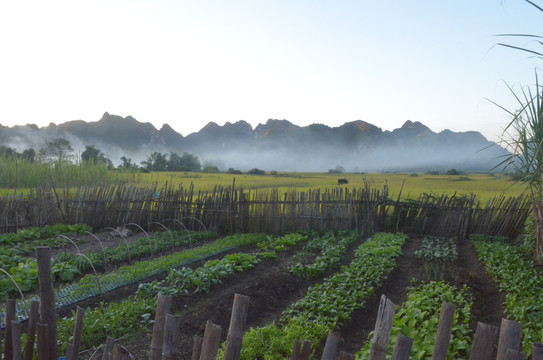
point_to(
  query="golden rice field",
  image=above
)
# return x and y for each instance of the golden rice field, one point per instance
(485, 186)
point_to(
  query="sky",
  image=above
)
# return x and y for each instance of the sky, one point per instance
(186, 63)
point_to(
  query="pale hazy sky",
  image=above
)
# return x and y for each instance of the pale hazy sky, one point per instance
(187, 63)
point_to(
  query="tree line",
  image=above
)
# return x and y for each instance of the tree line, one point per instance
(60, 150)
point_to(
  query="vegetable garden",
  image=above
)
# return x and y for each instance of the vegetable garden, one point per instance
(302, 284)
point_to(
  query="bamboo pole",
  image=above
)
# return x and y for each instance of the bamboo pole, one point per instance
(443, 335)
(346, 356)
(383, 327)
(197, 347)
(237, 327)
(43, 341)
(296, 348)
(108, 349)
(402, 348)
(8, 337)
(211, 341)
(162, 309)
(48, 311)
(31, 331)
(306, 350)
(171, 331)
(514, 355)
(330, 347)
(510, 334)
(78, 329)
(537, 351)
(16, 331)
(485, 342)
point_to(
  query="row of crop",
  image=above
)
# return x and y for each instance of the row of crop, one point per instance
(418, 318)
(328, 304)
(521, 282)
(135, 313)
(24, 271)
(26, 240)
(332, 247)
(95, 284)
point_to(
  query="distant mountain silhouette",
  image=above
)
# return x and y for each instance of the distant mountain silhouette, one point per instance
(275, 145)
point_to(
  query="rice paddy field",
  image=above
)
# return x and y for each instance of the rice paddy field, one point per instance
(406, 185)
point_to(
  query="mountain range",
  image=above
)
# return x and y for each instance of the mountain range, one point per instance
(275, 145)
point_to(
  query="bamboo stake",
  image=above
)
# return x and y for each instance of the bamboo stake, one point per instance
(8, 337)
(162, 309)
(443, 335)
(78, 329)
(48, 311)
(402, 348)
(171, 331)
(537, 351)
(197, 347)
(330, 347)
(16, 331)
(43, 341)
(211, 341)
(485, 342)
(31, 332)
(108, 349)
(383, 327)
(297, 347)
(237, 326)
(306, 350)
(510, 334)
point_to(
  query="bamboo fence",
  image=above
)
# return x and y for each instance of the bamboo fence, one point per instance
(232, 210)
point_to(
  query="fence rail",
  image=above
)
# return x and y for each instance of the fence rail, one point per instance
(229, 210)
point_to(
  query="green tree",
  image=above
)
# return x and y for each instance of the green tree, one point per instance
(29, 155)
(57, 150)
(92, 154)
(156, 162)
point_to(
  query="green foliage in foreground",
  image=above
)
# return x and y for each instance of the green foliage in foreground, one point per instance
(522, 283)
(329, 303)
(418, 318)
(110, 319)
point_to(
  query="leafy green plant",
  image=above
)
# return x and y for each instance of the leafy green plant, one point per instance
(418, 318)
(521, 282)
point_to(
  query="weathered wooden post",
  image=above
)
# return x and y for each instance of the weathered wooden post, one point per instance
(48, 311)
(16, 331)
(537, 351)
(31, 331)
(296, 348)
(383, 327)
(237, 327)
(514, 355)
(162, 308)
(43, 341)
(8, 335)
(120, 353)
(485, 342)
(402, 348)
(108, 349)
(72, 352)
(510, 333)
(171, 331)
(330, 347)
(345, 356)
(197, 348)
(306, 350)
(444, 328)
(211, 341)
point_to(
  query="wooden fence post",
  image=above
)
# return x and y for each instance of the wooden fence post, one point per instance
(510, 333)
(402, 348)
(485, 342)
(443, 335)
(345, 356)
(514, 355)
(306, 350)
(48, 311)
(171, 331)
(197, 348)
(211, 341)
(43, 341)
(330, 347)
(537, 351)
(108, 349)
(296, 348)
(16, 330)
(162, 308)
(73, 353)
(31, 331)
(383, 326)
(237, 327)
(8, 337)
(120, 353)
